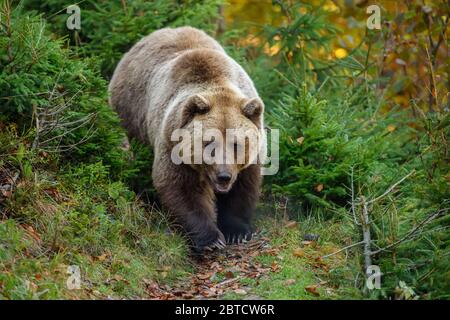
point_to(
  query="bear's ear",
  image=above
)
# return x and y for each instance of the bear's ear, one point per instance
(196, 104)
(253, 109)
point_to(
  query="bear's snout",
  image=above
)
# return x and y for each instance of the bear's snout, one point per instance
(224, 177)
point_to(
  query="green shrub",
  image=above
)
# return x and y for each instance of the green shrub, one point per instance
(38, 77)
(110, 28)
(333, 130)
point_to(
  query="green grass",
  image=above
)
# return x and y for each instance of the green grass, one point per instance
(61, 215)
(80, 217)
(299, 262)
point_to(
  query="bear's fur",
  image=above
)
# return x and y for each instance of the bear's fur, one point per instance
(165, 82)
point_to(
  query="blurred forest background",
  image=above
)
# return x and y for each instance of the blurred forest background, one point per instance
(364, 128)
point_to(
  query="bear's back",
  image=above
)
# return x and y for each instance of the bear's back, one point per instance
(144, 69)
(167, 65)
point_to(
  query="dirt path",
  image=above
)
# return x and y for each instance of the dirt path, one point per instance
(219, 273)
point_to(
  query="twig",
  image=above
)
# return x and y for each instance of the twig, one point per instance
(366, 234)
(353, 199)
(391, 188)
(227, 282)
(345, 248)
(411, 232)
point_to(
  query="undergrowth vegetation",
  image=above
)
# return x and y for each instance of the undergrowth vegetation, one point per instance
(352, 163)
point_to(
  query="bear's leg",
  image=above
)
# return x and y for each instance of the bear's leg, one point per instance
(236, 208)
(191, 205)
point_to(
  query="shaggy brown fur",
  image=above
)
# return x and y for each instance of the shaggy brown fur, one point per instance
(167, 81)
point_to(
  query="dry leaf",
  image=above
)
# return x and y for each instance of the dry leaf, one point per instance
(275, 267)
(6, 193)
(102, 257)
(290, 282)
(187, 295)
(299, 252)
(319, 187)
(313, 290)
(300, 140)
(118, 277)
(391, 128)
(400, 62)
(32, 232)
(215, 265)
(241, 292)
(291, 224)
(204, 276)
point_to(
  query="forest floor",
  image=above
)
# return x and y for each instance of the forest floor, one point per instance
(57, 218)
(276, 264)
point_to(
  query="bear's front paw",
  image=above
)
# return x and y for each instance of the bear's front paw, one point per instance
(236, 231)
(238, 237)
(208, 241)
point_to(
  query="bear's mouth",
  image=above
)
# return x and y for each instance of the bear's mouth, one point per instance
(222, 188)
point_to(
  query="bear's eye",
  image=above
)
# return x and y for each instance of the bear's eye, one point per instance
(207, 143)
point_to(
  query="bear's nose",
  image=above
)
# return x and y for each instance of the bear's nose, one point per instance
(224, 177)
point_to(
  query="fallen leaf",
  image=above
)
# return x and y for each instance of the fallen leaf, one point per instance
(272, 252)
(6, 193)
(313, 290)
(188, 295)
(290, 282)
(275, 267)
(391, 128)
(319, 187)
(319, 263)
(229, 275)
(400, 62)
(300, 140)
(53, 192)
(102, 257)
(118, 277)
(291, 224)
(241, 292)
(204, 276)
(44, 154)
(32, 233)
(299, 252)
(215, 265)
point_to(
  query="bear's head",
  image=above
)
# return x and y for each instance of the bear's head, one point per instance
(221, 134)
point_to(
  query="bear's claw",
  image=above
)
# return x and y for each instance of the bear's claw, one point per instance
(215, 241)
(239, 238)
(219, 244)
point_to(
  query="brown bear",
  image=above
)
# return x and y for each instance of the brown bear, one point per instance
(174, 79)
